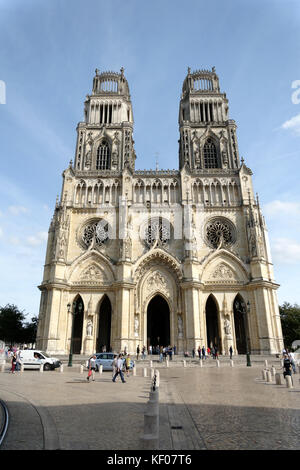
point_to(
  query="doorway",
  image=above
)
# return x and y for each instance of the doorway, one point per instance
(78, 325)
(158, 322)
(239, 311)
(212, 323)
(104, 328)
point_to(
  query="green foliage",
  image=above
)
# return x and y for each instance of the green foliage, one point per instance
(12, 327)
(290, 322)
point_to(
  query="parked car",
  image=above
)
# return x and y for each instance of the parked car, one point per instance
(106, 360)
(33, 358)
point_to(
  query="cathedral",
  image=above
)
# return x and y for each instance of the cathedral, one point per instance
(158, 257)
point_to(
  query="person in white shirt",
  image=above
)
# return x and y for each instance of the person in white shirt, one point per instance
(119, 369)
(92, 368)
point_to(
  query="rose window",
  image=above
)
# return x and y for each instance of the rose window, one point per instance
(157, 229)
(219, 230)
(97, 230)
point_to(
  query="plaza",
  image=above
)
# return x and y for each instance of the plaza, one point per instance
(200, 408)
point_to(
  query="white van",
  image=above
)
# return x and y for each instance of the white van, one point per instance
(33, 358)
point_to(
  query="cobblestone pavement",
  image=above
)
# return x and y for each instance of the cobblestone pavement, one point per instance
(200, 408)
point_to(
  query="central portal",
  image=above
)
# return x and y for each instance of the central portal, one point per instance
(158, 322)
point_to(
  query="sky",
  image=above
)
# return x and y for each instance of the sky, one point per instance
(49, 51)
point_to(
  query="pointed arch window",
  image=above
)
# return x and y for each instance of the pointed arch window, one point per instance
(210, 154)
(103, 156)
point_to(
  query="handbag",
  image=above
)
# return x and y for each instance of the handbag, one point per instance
(89, 372)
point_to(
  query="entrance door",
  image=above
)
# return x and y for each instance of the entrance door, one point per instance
(104, 329)
(212, 323)
(239, 310)
(78, 324)
(158, 322)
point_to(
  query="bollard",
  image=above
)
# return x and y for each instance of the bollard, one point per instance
(42, 368)
(134, 371)
(288, 381)
(201, 363)
(278, 379)
(2, 367)
(273, 371)
(100, 369)
(217, 363)
(151, 364)
(269, 376)
(61, 368)
(81, 369)
(266, 363)
(167, 363)
(145, 372)
(157, 378)
(184, 363)
(151, 373)
(231, 363)
(264, 374)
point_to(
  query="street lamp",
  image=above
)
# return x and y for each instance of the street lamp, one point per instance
(73, 312)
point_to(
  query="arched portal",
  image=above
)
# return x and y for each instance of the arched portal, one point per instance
(104, 325)
(212, 323)
(158, 322)
(78, 307)
(240, 313)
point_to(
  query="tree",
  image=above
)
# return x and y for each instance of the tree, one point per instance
(290, 322)
(29, 331)
(11, 324)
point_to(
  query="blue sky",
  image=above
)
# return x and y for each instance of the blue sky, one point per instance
(48, 54)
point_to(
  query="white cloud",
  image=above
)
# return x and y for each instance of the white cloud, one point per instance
(17, 210)
(293, 124)
(280, 208)
(285, 251)
(37, 239)
(14, 240)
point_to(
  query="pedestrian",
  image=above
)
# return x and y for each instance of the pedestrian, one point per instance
(18, 362)
(174, 349)
(144, 352)
(92, 368)
(119, 369)
(216, 352)
(161, 354)
(137, 352)
(193, 352)
(203, 352)
(287, 366)
(199, 352)
(114, 365)
(208, 351)
(127, 364)
(291, 356)
(13, 363)
(150, 350)
(230, 352)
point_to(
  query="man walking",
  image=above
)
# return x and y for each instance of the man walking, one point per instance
(119, 369)
(203, 352)
(230, 352)
(92, 369)
(137, 352)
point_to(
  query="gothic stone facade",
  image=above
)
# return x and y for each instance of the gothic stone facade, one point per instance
(158, 257)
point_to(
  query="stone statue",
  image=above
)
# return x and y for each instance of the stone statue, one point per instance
(89, 328)
(180, 326)
(136, 325)
(227, 327)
